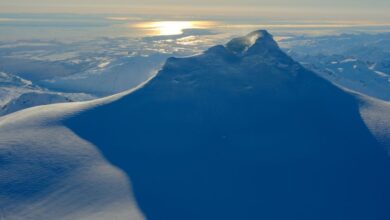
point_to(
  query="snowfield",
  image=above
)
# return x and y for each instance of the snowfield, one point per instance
(376, 114)
(48, 172)
(359, 62)
(241, 131)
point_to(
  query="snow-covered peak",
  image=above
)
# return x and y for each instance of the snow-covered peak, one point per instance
(259, 39)
(260, 57)
(255, 43)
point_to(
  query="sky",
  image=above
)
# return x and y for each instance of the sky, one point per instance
(373, 10)
(81, 19)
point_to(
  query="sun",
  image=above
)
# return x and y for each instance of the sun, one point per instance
(171, 27)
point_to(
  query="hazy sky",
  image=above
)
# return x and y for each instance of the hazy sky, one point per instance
(376, 10)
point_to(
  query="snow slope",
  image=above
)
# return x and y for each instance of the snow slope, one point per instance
(241, 131)
(358, 75)
(17, 93)
(32, 99)
(12, 87)
(376, 114)
(109, 78)
(48, 172)
(359, 62)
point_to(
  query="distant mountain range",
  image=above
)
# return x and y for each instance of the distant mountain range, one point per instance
(359, 62)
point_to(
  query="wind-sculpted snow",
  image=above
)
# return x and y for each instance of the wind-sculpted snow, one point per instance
(242, 44)
(376, 114)
(48, 172)
(241, 132)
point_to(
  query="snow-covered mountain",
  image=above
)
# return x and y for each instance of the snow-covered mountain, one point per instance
(97, 66)
(32, 99)
(359, 75)
(109, 77)
(17, 93)
(83, 70)
(241, 131)
(359, 62)
(12, 86)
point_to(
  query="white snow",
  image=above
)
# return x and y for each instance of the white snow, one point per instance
(373, 66)
(104, 64)
(48, 172)
(32, 99)
(380, 73)
(349, 60)
(376, 115)
(17, 93)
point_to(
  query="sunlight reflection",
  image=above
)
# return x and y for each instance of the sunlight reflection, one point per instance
(172, 27)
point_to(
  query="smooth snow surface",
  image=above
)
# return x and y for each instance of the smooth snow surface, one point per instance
(48, 172)
(376, 114)
(238, 132)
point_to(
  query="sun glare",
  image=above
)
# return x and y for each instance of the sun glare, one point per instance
(172, 27)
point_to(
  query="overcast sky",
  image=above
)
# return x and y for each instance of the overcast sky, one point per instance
(311, 9)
